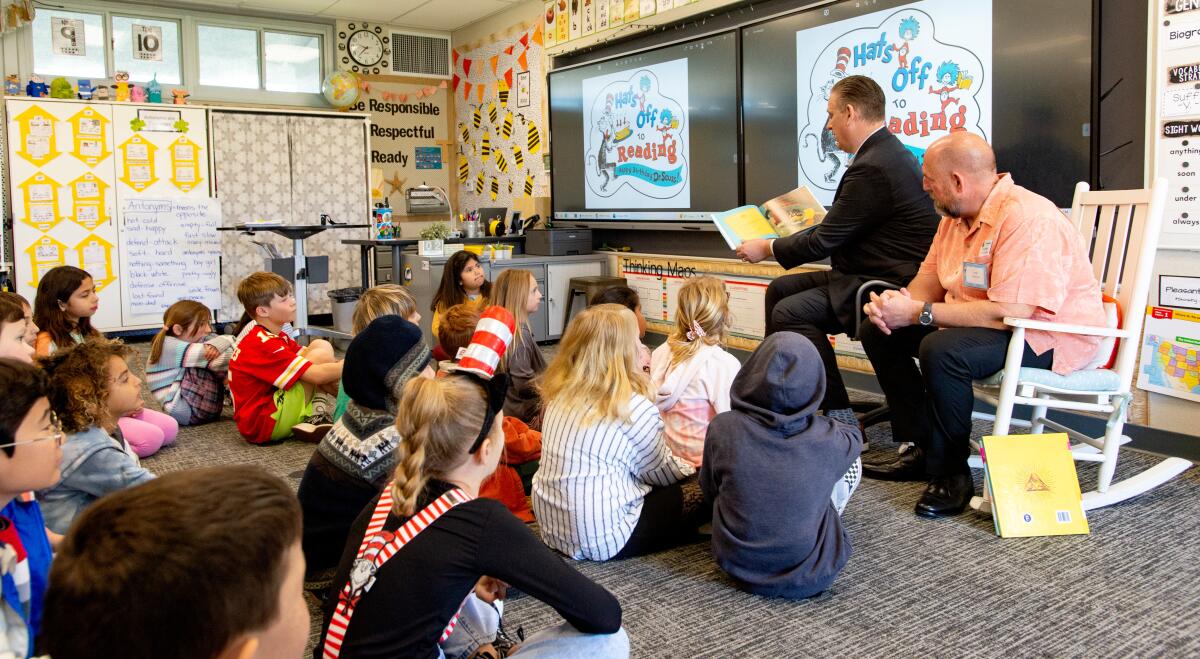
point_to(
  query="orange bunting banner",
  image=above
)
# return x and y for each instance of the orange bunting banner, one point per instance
(466, 66)
(525, 39)
(508, 78)
(523, 60)
(495, 59)
(455, 82)
(454, 55)
(508, 51)
(466, 90)
(479, 88)
(537, 35)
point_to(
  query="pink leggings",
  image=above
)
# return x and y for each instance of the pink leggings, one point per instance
(148, 430)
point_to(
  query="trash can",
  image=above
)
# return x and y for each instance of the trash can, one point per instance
(342, 302)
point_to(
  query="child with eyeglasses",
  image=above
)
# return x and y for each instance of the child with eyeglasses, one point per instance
(30, 453)
(91, 387)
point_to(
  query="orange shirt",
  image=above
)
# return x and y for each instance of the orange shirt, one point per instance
(1031, 255)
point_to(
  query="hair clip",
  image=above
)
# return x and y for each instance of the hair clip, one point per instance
(696, 332)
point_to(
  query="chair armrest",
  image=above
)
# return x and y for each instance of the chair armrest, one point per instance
(1090, 330)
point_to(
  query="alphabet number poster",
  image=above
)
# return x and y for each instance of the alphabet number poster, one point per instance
(635, 138)
(933, 60)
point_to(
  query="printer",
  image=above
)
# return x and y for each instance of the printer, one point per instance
(558, 242)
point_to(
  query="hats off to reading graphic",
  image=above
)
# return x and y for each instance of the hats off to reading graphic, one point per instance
(492, 336)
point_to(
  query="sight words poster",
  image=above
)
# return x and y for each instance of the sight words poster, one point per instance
(933, 60)
(635, 134)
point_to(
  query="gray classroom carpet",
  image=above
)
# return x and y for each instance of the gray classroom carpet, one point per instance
(913, 587)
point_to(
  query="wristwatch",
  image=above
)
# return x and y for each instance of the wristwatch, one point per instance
(926, 317)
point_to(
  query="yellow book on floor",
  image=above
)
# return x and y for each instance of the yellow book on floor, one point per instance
(1035, 490)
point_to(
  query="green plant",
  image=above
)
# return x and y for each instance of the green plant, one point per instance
(438, 231)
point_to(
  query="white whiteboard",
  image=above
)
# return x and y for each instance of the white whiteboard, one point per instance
(172, 252)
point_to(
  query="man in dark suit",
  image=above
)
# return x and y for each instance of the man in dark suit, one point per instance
(879, 227)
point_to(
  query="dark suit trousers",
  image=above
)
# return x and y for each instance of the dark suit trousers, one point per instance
(931, 407)
(800, 303)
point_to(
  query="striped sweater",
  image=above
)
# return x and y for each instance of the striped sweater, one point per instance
(165, 376)
(589, 487)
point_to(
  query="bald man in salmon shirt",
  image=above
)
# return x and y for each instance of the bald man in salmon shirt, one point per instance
(1000, 250)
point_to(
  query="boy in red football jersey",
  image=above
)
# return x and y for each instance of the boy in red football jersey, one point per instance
(271, 377)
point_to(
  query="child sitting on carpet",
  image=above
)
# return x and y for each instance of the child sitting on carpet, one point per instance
(271, 378)
(65, 303)
(357, 457)
(91, 387)
(381, 300)
(31, 328)
(428, 562)
(13, 330)
(779, 475)
(463, 282)
(607, 485)
(187, 365)
(30, 453)
(691, 373)
(455, 332)
(200, 563)
(628, 298)
(517, 291)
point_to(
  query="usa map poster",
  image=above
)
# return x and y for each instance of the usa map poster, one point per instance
(635, 138)
(933, 60)
(1171, 353)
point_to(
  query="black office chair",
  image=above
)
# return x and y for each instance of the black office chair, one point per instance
(870, 412)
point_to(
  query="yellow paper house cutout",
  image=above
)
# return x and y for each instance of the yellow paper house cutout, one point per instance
(137, 156)
(41, 202)
(45, 254)
(38, 142)
(91, 136)
(95, 256)
(185, 164)
(87, 201)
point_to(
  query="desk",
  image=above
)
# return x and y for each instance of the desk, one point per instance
(397, 247)
(297, 233)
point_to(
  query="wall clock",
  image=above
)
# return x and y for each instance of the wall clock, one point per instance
(365, 46)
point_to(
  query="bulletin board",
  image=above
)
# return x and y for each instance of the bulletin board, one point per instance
(658, 278)
(499, 87)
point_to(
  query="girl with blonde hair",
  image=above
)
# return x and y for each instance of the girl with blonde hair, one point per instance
(608, 486)
(691, 372)
(517, 291)
(428, 559)
(188, 363)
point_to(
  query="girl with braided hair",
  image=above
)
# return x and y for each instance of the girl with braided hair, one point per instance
(427, 566)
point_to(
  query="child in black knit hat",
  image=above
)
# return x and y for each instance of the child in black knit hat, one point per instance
(356, 458)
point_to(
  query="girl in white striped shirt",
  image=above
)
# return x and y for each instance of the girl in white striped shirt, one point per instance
(608, 486)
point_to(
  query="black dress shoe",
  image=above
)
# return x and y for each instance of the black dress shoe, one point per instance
(908, 466)
(946, 496)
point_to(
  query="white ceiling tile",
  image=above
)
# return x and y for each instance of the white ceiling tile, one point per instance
(450, 14)
(380, 11)
(289, 6)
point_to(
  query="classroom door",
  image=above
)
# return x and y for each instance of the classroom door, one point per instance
(161, 152)
(61, 178)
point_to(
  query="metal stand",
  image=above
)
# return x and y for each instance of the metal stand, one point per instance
(297, 234)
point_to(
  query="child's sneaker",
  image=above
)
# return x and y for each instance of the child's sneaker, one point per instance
(310, 432)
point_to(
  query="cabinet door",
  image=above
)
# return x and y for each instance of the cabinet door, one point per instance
(160, 153)
(62, 176)
(558, 278)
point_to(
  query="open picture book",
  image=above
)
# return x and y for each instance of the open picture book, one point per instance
(782, 216)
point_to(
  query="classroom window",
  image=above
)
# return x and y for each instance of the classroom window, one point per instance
(68, 43)
(147, 48)
(292, 62)
(228, 56)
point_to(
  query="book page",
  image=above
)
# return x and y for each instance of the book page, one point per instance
(795, 211)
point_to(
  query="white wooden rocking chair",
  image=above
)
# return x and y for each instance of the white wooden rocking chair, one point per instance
(1121, 227)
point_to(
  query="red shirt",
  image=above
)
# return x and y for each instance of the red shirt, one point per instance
(262, 363)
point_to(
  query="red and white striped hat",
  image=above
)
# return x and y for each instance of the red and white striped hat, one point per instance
(492, 337)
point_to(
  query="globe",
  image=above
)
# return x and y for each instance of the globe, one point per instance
(341, 88)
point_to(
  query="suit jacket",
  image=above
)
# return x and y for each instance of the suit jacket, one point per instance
(880, 226)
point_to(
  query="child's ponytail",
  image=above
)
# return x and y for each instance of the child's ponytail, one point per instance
(188, 314)
(437, 421)
(701, 317)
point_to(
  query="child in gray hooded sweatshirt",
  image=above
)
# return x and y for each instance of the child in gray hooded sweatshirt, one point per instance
(778, 475)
